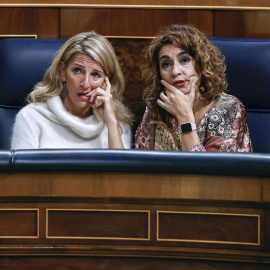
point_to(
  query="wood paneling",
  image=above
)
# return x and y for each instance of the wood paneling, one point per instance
(133, 186)
(253, 24)
(130, 22)
(266, 191)
(209, 228)
(123, 263)
(64, 22)
(113, 221)
(98, 224)
(43, 22)
(232, 4)
(10, 218)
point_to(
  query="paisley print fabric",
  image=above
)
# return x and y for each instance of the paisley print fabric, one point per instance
(223, 128)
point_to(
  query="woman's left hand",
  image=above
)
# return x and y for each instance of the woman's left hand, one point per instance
(101, 100)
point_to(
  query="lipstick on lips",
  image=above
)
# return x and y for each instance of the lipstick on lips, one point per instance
(179, 84)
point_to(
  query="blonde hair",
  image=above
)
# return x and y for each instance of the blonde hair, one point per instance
(100, 50)
(209, 64)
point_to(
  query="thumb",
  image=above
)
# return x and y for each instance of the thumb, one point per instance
(193, 87)
(192, 94)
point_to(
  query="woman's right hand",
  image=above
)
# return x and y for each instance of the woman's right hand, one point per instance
(178, 104)
(102, 102)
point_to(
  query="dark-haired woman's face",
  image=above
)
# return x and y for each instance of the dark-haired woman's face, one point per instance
(177, 67)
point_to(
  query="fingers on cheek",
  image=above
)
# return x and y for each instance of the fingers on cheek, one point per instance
(163, 95)
(98, 102)
(92, 95)
(160, 103)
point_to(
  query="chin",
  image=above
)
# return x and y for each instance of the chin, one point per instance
(183, 90)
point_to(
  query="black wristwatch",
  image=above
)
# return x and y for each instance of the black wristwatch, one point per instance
(187, 128)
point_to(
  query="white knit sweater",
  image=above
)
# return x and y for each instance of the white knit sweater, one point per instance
(50, 125)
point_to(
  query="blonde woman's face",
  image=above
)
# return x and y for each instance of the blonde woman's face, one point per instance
(81, 75)
(177, 67)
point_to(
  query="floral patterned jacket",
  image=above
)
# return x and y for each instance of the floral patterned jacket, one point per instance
(223, 128)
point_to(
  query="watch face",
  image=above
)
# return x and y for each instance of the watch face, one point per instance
(186, 127)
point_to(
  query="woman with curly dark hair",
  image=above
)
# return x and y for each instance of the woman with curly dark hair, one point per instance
(187, 107)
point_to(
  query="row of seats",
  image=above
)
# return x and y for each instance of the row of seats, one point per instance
(23, 63)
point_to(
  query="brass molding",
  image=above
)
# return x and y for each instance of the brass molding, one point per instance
(23, 209)
(98, 238)
(137, 6)
(35, 36)
(129, 37)
(209, 241)
(18, 36)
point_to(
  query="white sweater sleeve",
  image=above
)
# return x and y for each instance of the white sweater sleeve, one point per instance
(126, 136)
(24, 134)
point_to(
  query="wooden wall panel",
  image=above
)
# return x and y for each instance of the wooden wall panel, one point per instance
(131, 221)
(98, 224)
(254, 24)
(209, 228)
(136, 185)
(122, 262)
(233, 4)
(43, 22)
(27, 218)
(130, 22)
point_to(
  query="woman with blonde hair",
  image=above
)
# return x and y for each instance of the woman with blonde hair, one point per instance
(78, 104)
(187, 106)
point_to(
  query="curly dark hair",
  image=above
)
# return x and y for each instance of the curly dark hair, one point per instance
(209, 65)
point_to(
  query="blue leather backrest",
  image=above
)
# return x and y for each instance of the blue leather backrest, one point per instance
(23, 62)
(248, 72)
(118, 160)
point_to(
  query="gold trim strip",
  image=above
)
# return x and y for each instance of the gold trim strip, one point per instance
(129, 37)
(120, 37)
(16, 36)
(98, 238)
(22, 209)
(137, 6)
(209, 241)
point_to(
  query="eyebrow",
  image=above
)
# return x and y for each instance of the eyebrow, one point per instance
(96, 70)
(166, 56)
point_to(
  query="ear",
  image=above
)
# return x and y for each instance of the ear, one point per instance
(63, 71)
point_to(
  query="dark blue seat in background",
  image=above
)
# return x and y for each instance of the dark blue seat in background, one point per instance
(23, 62)
(248, 73)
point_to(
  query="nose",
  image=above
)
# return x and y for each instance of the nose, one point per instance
(177, 69)
(86, 82)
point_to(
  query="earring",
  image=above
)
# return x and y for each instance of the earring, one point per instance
(202, 89)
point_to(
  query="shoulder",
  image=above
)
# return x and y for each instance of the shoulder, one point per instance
(230, 99)
(32, 107)
(125, 128)
(30, 112)
(147, 116)
(229, 102)
(230, 107)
